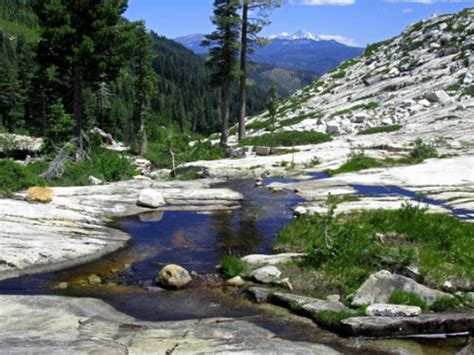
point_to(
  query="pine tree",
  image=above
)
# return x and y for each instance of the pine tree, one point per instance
(25, 71)
(144, 83)
(272, 103)
(9, 89)
(224, 49)
(251, 27)
(85, 40)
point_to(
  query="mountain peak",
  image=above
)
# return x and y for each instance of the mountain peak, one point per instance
(298, 35)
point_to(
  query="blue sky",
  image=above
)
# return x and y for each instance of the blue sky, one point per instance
(357, 21)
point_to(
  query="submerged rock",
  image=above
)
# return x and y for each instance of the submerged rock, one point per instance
(266, 274)
(173, 277)
(150, 198)
(379, 287)
(393, 310)
(94, 279)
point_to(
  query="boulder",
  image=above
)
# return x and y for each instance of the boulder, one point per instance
(300, 211)
(379, 287)
(263, 151)
(392, 310)
(439, 96)
(261, 259)
(40, 194)
(173, 277)
(259, 294)
(333, 127)
(307, 305)
(150, 198)
(266, 274)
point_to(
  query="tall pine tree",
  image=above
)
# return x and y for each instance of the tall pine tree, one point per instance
(251, 27)
(224, 49)
(85, 41)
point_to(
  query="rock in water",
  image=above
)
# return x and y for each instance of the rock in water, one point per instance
(40, 194)
(393, 310)
(267, 274)
(94, 279)
(173, 277)
(379, 287)
(150, 198)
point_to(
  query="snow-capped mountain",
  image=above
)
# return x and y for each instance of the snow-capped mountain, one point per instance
(302, 50)
(302, 34)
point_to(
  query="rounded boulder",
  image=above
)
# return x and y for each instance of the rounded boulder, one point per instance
(173, 277)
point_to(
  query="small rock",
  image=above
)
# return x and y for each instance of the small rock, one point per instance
(266, 274)
(263, 151)
(94, 279)
(40, 194)
(150, 198)
(448, 286)
(235, 281)
(95, 181)
(173, 277)
(300, 211)
(285, 283)
(392, 310)
(334, 298)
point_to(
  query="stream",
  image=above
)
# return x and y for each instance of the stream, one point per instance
(198, 241)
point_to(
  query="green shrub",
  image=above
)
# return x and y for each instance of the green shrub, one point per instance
(373, 130)
(232, 266)
(422, 151)
(15, 177)
(407, 298)
(287, 139)
(106, 165)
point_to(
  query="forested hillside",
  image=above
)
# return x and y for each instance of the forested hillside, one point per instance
(182, 95)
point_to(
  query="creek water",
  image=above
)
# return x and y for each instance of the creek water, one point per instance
(197, 242)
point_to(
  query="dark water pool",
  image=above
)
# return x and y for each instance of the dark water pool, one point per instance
(198, 242)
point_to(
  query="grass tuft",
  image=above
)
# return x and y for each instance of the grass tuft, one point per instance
(407, 298)
(232, 266)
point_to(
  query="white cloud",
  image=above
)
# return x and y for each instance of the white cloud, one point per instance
(407, 11)
(340, 39)
(325, 2)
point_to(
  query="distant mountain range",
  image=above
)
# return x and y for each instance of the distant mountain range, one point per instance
(301, 50)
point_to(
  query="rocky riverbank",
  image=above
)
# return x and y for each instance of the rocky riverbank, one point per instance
(73, 228)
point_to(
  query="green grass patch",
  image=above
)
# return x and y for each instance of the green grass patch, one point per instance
(257, 125)
(286, 139)
(444, 304)
(232, 266)
(357, 162)
(407, 298)
(346, 248)
(381, 129)
(340, 74)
